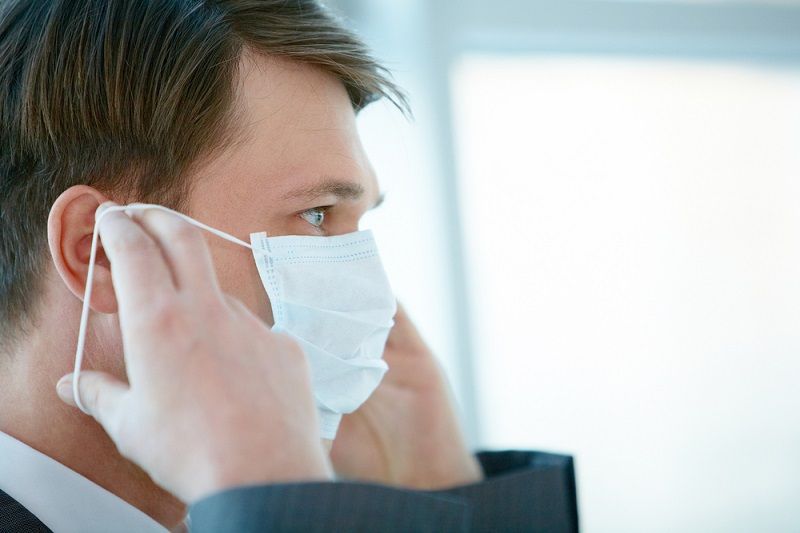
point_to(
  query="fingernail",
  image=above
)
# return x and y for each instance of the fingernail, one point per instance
(64, 389)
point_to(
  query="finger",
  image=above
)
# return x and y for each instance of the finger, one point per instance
(400, 315)
(100, 393)
(236, 305)
(184, 248)
(402, 323)
(404, 333)
(138, 270)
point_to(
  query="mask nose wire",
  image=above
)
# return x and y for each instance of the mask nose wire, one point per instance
(87, 294)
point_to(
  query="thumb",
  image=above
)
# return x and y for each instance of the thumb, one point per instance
(100, 393)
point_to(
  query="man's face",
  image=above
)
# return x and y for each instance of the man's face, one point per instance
(299, 169)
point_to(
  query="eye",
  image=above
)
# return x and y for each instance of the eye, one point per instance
(314, 216)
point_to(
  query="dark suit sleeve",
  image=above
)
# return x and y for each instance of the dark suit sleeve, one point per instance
(523, 491)
(339, 506)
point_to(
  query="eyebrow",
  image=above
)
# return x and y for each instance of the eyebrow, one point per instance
(341, 189)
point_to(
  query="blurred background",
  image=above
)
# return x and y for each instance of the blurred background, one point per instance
(593, 217)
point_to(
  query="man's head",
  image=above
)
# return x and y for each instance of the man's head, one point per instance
(240, 113)
(144, 99)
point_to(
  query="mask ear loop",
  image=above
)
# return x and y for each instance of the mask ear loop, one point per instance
(87, 294)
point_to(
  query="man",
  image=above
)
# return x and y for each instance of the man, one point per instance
(242, 115)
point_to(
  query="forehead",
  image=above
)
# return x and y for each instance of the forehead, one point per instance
(294, 127)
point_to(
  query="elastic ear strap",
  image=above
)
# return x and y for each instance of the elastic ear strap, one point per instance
(87, 294)
(190, 220)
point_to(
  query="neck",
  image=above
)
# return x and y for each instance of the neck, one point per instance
(33, 414)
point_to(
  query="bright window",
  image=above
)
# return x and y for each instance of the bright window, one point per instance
(632, 230)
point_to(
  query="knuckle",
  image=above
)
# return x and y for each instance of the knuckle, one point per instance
(185, 235)
(166, 317)
(162, 309)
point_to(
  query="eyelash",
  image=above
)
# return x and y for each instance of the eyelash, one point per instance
(321, 211)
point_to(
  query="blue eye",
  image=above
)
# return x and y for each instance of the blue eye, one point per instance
(314, 216)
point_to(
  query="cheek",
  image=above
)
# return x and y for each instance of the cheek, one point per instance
(238, 277)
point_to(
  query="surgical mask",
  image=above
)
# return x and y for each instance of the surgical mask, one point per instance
(330, 294)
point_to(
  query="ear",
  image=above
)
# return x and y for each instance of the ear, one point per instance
(69, 234)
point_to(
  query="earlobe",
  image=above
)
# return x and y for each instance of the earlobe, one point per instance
(69, 235)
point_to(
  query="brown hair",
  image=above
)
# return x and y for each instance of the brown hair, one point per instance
(124, 95)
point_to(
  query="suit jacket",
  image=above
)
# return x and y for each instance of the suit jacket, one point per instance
(14, 517)
(523, 491)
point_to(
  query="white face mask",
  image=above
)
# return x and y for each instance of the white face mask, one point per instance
(330, 294)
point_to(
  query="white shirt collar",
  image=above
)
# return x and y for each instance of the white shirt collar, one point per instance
(62, 499)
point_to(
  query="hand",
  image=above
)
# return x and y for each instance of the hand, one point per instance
(215, 399)
(407, 433)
